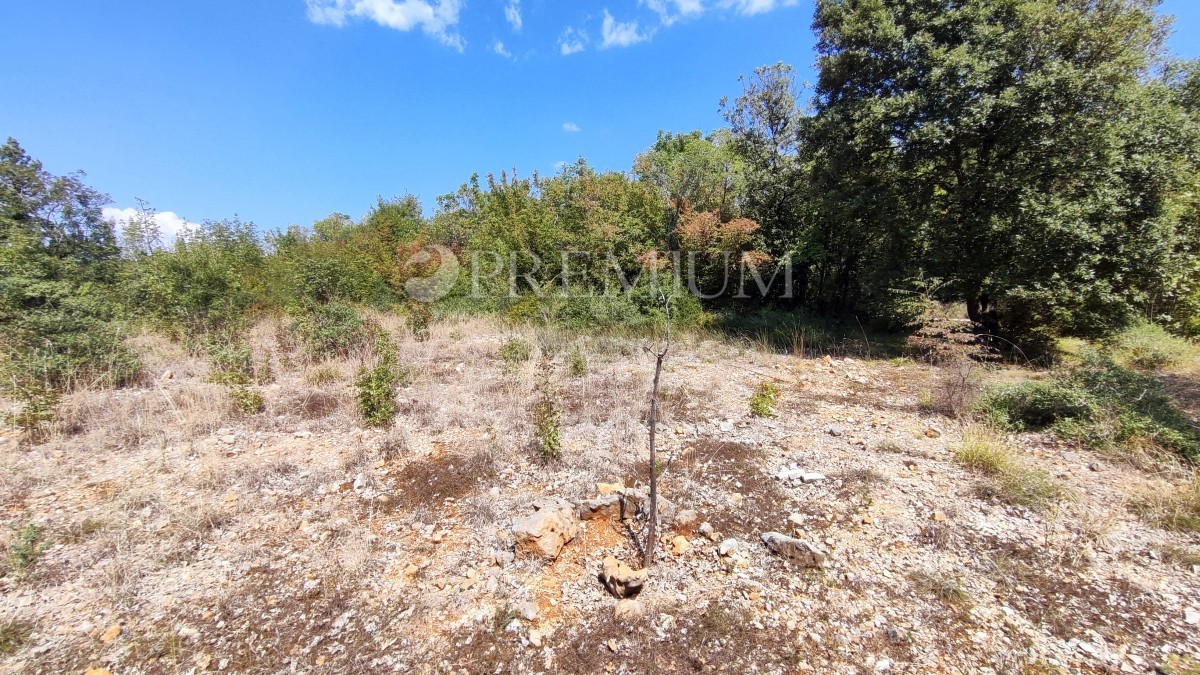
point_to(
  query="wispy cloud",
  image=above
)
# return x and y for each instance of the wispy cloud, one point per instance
(751, 7)
(512, 13)
(621, 34)
(170, 224)
(670, 11)
(500, 49)
(437, 18)
(572, 41)
(571, 127)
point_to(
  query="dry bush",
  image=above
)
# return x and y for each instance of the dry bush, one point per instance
(1177, 507)
(956, 388)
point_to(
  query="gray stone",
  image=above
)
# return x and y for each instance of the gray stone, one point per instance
(835, 430)
(527, 610)
(799, 552)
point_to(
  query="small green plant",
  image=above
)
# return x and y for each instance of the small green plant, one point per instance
(503, 616)
(764, 399)
(577, 364)
(246, 400)
(547, 420)
(14, 633)
(25, 548)
(515, 352)
(377, 384)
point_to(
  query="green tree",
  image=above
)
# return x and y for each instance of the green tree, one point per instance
(1016, 150)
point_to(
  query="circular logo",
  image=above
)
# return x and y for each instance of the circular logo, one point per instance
(438, 276)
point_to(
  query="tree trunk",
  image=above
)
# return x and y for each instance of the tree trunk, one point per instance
(973, 311)
(652, 537)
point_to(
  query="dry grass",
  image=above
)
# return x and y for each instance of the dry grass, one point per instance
(1176, 507)
(1009, 478)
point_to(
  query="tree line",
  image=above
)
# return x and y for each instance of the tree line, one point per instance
(1035, 160)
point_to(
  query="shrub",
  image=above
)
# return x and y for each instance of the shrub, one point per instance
(577, 364)
(764, 399)
(376, 385)
(333, 329)
(246, 400)
(14, 633)
(419, 318)
(547, 420)
(1100, 404)
(1150, 347)
(515, 352)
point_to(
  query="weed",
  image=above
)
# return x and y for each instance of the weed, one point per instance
(503, 616)
(325, 373)
(515, 352)
(333, 329)
(948, 590)
(764, 399)
(37, 413)
(25, 548)
(246, 400)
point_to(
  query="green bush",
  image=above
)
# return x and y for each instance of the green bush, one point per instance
(764, 399)
(246, 400)
(1150, 347)
(333, 329)
(376, 385)
(1101, 404)
(515, 352)
(577, 364)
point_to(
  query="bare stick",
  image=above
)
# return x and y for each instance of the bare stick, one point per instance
(652, 534)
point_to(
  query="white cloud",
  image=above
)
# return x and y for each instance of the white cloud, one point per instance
(500, 49)
(621, 34)
(437, 18)
(751, 7)
(572, 41)
(170, 224)
(570, 127)
(670, 11)
(512, 12)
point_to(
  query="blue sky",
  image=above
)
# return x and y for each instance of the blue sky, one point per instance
(283, 111)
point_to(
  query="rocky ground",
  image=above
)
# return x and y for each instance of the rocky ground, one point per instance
(176, 536)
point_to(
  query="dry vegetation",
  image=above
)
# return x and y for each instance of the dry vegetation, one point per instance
(158, 529)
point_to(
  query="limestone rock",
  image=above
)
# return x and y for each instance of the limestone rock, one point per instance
(799, 552)
(606, 506)
(628, 611)
(620, 579)
(547, 529)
